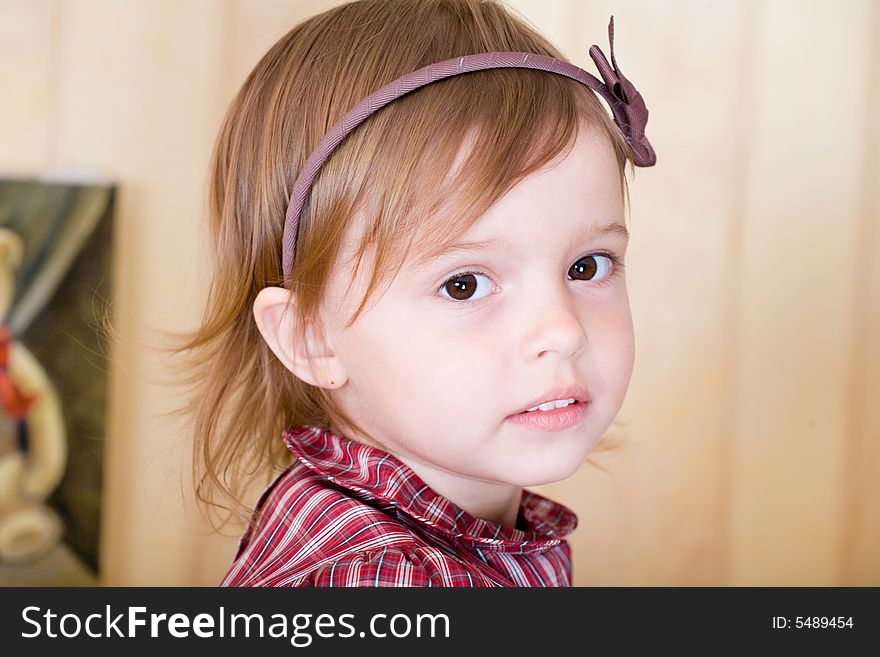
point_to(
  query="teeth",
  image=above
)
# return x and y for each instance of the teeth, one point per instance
(549, 406)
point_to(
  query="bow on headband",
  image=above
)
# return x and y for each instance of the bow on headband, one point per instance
(626, 104)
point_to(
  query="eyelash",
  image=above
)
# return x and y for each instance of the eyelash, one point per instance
(616, 269)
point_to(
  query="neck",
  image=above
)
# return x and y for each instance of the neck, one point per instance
(488, 500)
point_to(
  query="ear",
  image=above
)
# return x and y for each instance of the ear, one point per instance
(314, 362)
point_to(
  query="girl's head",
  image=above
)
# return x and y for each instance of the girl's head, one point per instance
(387, 331)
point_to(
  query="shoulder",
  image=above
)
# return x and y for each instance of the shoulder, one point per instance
(401, 566)
(302, 521)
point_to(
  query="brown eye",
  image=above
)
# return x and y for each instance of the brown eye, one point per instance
(462, 287)
(586, 268)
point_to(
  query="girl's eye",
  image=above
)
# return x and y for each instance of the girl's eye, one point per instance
(600, 268)
(589, 268)
(462, 287)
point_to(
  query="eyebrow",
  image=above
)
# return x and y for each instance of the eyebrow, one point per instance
(499, 243)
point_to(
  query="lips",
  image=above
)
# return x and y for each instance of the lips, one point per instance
(571, 391)
(559, 419)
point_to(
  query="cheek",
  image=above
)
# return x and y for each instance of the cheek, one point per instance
(615, 349)
(390, 352)
(393, 356)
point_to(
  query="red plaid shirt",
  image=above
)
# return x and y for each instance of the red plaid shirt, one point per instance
(348, 514)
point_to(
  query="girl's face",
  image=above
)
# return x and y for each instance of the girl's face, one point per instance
(457, 344)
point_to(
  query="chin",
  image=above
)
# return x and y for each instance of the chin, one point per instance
(551, 463)
(538, 474)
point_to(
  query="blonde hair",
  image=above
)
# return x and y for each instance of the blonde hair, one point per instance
(395, 169)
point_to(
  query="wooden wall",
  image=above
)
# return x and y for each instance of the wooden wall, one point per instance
(752, 424)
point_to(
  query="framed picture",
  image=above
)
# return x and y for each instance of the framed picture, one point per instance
(55, 287)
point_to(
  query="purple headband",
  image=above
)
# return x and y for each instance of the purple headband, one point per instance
(630, 113)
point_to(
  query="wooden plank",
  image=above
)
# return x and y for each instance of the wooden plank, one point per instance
(27, 52)
(796, 311)
(859, 557)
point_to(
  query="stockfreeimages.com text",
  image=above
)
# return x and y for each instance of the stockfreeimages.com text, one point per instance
(300, 629)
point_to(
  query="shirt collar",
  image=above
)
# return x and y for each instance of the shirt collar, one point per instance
(380, 475)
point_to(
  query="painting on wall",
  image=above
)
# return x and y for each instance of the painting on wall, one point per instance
(55, 286)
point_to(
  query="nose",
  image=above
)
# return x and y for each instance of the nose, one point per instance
(552, 323)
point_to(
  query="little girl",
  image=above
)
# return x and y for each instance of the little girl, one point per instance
(418, 215)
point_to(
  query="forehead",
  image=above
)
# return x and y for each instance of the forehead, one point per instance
(577, 195)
